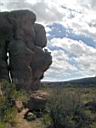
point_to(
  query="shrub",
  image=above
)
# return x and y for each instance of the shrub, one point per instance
(8, 89)
(66, 110)
(21, 95)
(2, 125)
(7, 110)
(47, 120)
(8, 96)
(10, 116)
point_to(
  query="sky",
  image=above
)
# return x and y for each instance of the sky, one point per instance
(71, 33)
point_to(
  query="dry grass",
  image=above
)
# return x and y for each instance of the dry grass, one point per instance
(22, 123)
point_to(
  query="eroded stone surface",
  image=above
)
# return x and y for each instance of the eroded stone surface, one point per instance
(24, 40)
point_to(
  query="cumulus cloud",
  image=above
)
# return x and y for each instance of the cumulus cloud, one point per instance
(71, 59)
(46, 11)
(8, 5)
(73, 13)
(89, 3)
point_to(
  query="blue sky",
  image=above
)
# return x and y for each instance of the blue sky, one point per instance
(71, 32)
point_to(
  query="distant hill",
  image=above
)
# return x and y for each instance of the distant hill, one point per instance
(84, 82)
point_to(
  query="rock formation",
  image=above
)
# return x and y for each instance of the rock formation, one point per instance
(24, 40)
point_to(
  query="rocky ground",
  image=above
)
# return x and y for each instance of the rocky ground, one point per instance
(40, 98)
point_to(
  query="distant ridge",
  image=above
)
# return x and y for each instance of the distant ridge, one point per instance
(89, 81)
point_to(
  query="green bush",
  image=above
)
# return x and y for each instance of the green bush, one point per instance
(2, 125)
(8, 89)
(8, 96)
(21, 95)
(10, 115)
(47, 120)
(7, 109)
(66, 110)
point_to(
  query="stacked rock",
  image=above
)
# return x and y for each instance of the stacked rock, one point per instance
(24, 40)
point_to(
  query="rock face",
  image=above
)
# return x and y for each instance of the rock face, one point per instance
(24, 40)
(38, 100)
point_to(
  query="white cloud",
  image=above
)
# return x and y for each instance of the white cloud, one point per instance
(75, 60)
(72, 58)
(46, 13)
(73, 14)
(88, 3)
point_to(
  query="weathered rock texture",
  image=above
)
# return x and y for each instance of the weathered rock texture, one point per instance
(24, 40)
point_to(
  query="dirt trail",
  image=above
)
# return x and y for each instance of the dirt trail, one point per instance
(22, 123)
